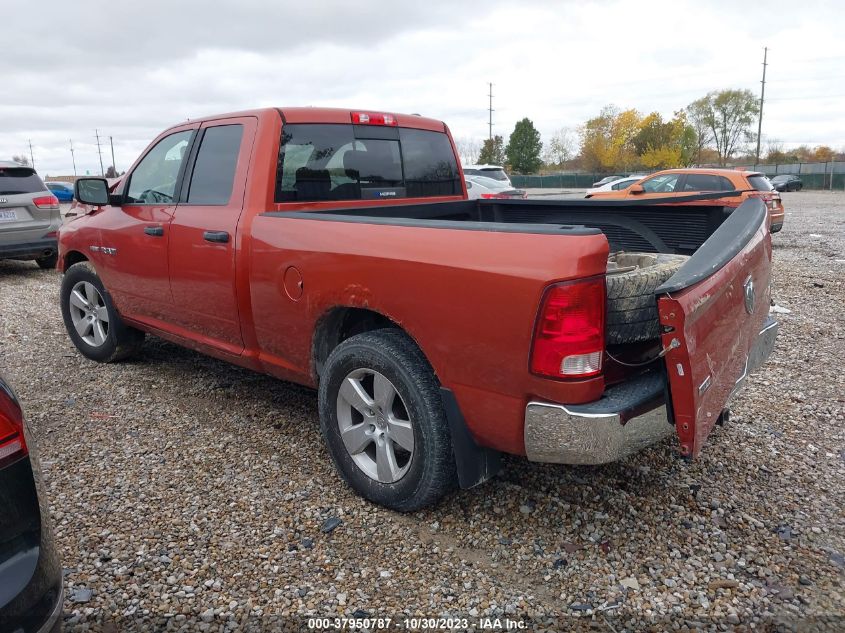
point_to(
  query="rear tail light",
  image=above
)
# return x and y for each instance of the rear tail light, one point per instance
(374, 118)
(12, 441)
(569, 335)
(46, 202)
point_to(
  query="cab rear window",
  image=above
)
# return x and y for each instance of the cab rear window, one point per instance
(16, 180)
(345, 162)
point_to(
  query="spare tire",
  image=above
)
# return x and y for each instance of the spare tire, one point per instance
(632, 279)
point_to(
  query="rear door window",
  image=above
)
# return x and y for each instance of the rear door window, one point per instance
(214, 168)
(17, 180)
(707, 182)
(334, 162)
(760, 183)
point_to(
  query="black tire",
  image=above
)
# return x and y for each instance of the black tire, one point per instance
(631, 304)
(431, 471)
(49, 262)
(121, 341)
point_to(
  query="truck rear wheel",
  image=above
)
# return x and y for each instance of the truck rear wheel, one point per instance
(383, 421)
(632, 279)
(91, 320)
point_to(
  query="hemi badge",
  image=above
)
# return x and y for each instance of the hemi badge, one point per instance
(704, 386)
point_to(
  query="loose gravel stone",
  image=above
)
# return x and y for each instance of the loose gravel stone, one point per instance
(188, 493)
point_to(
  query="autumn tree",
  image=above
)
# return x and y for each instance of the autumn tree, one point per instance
(524, 147)
(775, 153)
(823, 154)
(492, 151)
(607, 140)
(660, 144)
(560, 148)
(729, 115)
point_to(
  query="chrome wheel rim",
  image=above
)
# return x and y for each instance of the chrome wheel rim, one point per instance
(89, 314)
(375, 425)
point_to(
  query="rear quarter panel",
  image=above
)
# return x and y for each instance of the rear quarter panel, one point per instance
(468, 298)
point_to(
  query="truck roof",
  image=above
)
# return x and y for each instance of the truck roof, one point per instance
(329, 115)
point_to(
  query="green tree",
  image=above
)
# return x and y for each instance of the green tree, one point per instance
(729, 116)
(524, 147)
(492, 151)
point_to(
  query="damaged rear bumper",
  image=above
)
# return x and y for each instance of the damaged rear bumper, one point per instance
(628, 418)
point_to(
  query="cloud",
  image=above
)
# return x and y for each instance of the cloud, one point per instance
(132, 69)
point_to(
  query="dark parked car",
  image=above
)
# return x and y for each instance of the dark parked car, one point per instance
(62, 190)
(787, 182)
(31, 591)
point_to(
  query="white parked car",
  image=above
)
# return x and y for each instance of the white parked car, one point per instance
(482, 187)
(616, 185)
(496, 172)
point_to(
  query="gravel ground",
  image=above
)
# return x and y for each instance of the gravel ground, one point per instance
(189, 494)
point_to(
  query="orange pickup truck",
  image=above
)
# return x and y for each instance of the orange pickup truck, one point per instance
(338, 249)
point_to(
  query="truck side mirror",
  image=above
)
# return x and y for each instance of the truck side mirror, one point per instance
(93, 191)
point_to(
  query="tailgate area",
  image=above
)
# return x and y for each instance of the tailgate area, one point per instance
(712, 312)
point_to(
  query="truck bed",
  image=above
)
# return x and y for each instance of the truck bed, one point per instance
(628, 225)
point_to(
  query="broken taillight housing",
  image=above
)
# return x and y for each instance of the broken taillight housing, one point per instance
(569, 334)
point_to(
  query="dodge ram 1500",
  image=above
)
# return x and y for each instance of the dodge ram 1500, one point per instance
(337, 249)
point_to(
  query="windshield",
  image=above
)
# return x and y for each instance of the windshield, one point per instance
(780, 178)
(15, 180)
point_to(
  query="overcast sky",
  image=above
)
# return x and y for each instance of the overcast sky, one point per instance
(131, 68)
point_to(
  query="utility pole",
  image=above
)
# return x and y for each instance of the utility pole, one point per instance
(31, 155)
(490, 111)
(113, 166)
(100, 152)
(762, 98)
(72, 157)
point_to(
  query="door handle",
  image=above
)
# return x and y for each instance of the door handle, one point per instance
(155, 231)
(221, 237)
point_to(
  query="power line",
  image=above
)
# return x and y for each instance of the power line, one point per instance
(762, 99)
(72, 157)
(490, 112)
(100, 152)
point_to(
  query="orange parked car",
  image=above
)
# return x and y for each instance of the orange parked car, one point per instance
(671, 183)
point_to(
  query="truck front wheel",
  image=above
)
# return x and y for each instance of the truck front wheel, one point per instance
(383, 421)
(91, 320)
